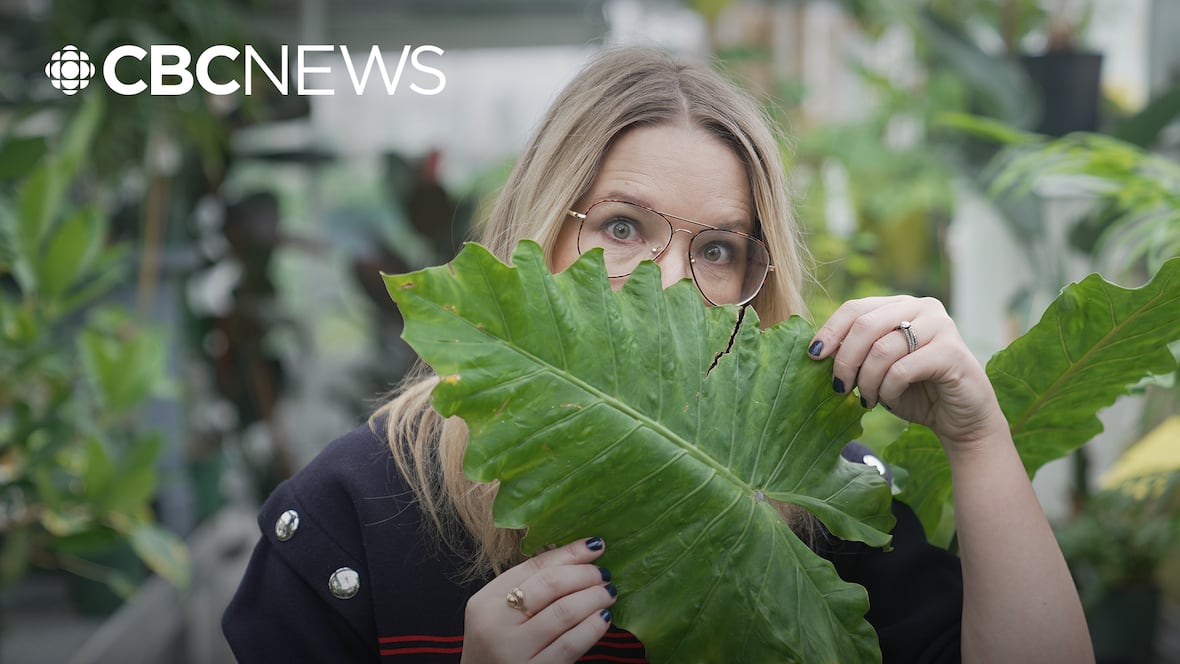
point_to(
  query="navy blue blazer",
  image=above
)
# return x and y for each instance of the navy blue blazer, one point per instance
(343, 574)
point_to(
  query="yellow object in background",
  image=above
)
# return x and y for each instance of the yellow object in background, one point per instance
(1157, 452)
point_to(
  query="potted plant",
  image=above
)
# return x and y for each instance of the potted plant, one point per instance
(1119, 544)
(77, 471)
(1045, 37)
(1066, 75)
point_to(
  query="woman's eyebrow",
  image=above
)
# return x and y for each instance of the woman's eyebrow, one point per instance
(616, 195)
(747, 227)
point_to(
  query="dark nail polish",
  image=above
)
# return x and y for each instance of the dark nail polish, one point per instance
(605, 573)
(610, 588)
(594, 544)
(815, 348)
(605, 613)
(838, 385)
(863, 403)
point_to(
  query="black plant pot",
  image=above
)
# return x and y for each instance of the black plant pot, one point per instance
(1123, 625)
(1068, 84)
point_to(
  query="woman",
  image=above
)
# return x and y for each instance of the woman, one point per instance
(382, 549)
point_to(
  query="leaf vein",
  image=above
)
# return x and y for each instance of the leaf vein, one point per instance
(1065, 378)
(696, 540)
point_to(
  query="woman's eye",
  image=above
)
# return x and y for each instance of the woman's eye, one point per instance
(621, 229)
(717, 252)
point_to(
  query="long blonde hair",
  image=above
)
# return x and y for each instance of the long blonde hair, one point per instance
(620, 89)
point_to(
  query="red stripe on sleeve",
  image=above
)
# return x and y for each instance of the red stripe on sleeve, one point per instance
(420, 637)
(420, 650)
(619, 644)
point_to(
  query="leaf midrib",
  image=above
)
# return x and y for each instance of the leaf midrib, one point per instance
(613, 402)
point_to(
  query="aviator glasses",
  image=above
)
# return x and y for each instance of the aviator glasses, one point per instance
(728, 267)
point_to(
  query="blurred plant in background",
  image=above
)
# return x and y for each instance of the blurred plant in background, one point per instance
(1123, 536)
(89, 350)
(1123, 547)
(876, 200)
(77, 472)
(1134, 224)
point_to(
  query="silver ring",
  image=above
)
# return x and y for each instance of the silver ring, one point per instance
(910, 338)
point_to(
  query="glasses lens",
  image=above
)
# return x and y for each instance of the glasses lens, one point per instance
(626, 233)
(729, 268)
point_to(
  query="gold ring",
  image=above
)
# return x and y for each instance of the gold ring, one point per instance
(911, 339)
(516, 601)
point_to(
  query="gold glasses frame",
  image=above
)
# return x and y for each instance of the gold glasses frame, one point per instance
(658, 252)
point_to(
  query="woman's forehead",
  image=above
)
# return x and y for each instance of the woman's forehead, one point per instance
(683, 171)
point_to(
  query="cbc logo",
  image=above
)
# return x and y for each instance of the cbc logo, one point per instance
(70, 70)
(172, 69)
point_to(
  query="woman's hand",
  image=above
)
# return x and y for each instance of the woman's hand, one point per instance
(939, 384)
(1015, 580)
(550, 608)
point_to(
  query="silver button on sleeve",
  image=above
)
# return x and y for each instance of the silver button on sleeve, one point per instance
(344, 583)
(286, 525)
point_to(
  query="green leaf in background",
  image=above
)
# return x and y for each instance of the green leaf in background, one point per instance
(123, 362)
(98, 472)
(42, 195)
(1095, 341)
(612, 414)
(137, 476)
(1002, 90)
(9, 225)
(18, 155)
(163, 552)
(70, 250)
(78, 139)
(1136, 193)
(38, 201)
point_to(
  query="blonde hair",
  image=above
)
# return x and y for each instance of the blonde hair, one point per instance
(620, 89)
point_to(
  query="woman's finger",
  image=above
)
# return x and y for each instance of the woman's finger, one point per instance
(575, 553)
(882, 354)
(875, 328)
(569, 611)
(539, 591)
(574, 642)
(828, 338)
(499, 618)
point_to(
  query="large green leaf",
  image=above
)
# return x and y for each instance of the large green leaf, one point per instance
(1094, 341)
(611, 413)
